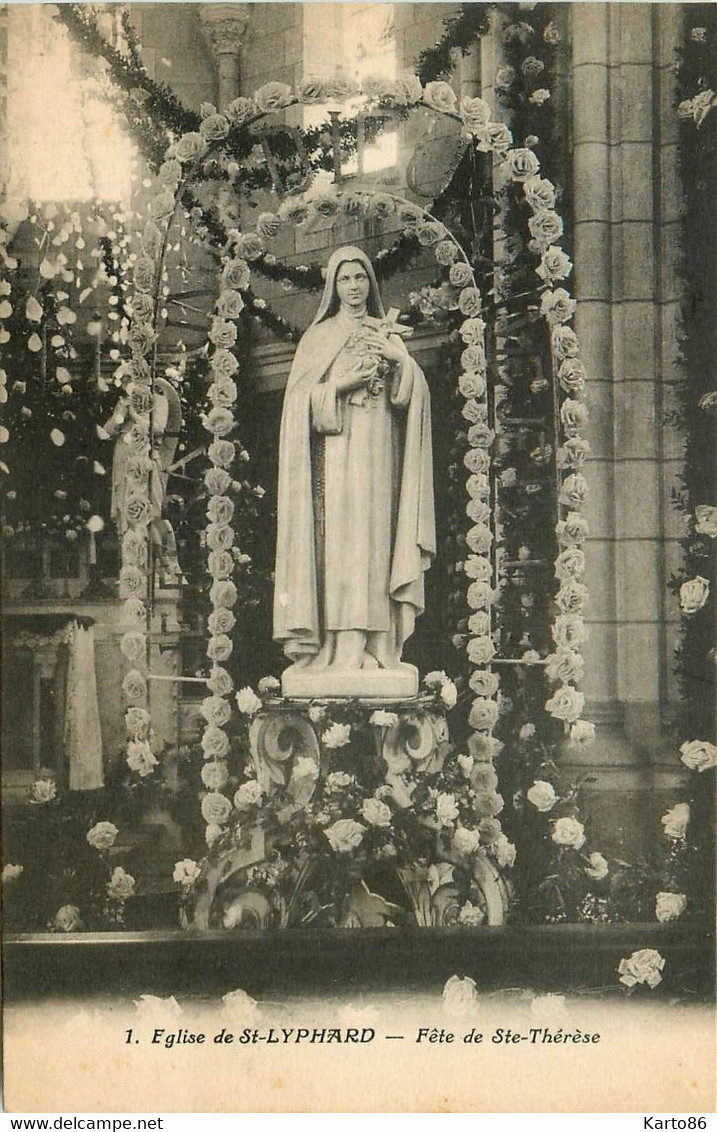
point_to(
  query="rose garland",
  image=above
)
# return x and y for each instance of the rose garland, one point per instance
(487, 136)
(223, 556)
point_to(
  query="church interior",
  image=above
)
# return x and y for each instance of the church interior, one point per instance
(522, 181)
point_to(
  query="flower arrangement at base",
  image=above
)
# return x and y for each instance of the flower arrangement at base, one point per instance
(338, 801)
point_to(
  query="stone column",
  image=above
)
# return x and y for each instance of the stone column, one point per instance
(224, 27)
(470, 73)
(625, 208)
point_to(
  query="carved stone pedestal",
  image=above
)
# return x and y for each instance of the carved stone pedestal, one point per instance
(336, 826)
(364, 683)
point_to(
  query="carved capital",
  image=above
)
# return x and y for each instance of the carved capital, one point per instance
(224, 26)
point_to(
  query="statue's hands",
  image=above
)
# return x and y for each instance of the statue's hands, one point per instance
(390, 348)
(354, 378)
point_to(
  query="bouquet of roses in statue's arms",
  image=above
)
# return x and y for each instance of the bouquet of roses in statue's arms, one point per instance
(373, 356)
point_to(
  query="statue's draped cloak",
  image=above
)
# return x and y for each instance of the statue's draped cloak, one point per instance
(298, 616)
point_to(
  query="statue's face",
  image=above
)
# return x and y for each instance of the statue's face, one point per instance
(352, 285)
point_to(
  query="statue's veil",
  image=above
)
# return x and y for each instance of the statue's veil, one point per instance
(329, 304)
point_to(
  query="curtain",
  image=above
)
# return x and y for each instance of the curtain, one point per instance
(82, 736)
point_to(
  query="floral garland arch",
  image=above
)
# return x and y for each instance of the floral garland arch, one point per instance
(476, 838)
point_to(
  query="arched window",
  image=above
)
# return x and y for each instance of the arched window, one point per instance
(64, 142)
(364, 39)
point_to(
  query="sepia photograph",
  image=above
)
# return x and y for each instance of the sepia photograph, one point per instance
(358, 507)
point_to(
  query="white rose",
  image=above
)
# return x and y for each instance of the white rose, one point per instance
(12, 872)
(449, 694)
(338, 780)
(459, 995)
(67, 919)
(582, 733)
(249, 794)
(566, 704)
(694, 594)
(484, 683)
(569, 631)
(215, 743)
(484, 747)
(157, 1009)
(573, 416)
(134, 685)
(216, 808)
(216, 711)
(435, 680)
(549, 1009)
(483, 714)
(676, 820)
(223, 592)
(570, 832)
(557, 306)
(212, 833)
(241, 1008)
(540, 196)
(273, 96)
(189, 146)
(305, 767)
(269, 684)
(345, 835)
(545, 227)
(247, 701)
(446, 809)
(565, 342)
(140, 757)
(481, 650)
(706, 520)
(220, 622)
(564, 666)
(522, 164)
(642, 967)
(475, 113)
(376, 812)
(382, 718)
(440, 96)
(669, 906)
(471, 915)
(570, 563)
(504, 851)
(542, 795)
(337, 735)
(466, 841)
(220, 682)
(698, 754)
(215, 775)
(137, 721)
(186, 872)
(103, 835)
(43, 790)
(120, 885)
(240, 110)
(598, 868)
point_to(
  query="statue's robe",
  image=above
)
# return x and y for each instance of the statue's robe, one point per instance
(351, 550)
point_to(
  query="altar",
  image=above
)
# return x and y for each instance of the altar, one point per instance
(350, 645)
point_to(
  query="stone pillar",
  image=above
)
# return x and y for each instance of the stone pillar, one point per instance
(470, 73)
(625, 212)
(224, 27)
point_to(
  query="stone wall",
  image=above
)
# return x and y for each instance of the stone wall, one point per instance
(625, 232)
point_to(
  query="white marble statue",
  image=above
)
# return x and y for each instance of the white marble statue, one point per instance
(145, 449)
(356, 526)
